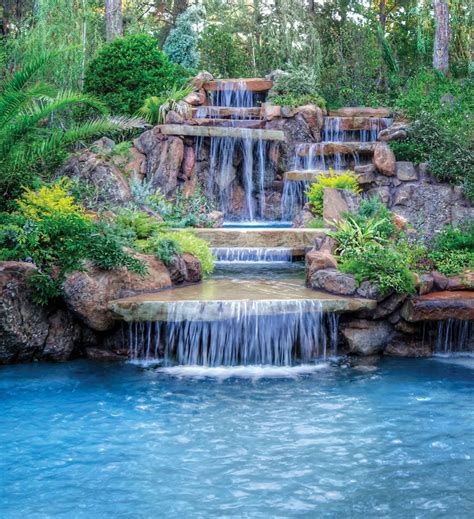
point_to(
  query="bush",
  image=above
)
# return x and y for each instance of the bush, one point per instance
(52, 231)
(382, 265)
(128, 70)
(293, 101)
(155, 109)
(453, 250)
(191, 244)
(315, 192)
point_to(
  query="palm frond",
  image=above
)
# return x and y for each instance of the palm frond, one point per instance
(22, 77)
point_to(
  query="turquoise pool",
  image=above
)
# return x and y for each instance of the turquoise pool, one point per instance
(89, 440)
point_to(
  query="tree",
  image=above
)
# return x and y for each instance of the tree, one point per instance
(113, 19)
(441, 40)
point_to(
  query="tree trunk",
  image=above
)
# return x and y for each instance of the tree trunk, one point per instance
(113, 19)
(441, 40)
(179, 6)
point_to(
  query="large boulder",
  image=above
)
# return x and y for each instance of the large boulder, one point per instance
(365, 337)
(338, 202)
(87, 294)
(384, 159)
(406, 171)
(395, 132)
(318, 260)
(439, 306)
(403, 346)
(29, 331)
(333, 281)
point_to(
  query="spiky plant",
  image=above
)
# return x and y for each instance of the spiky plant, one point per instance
(37, 124)
(155, 109)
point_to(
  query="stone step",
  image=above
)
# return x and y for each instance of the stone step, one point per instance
(330, 148)
(298, 239)
(250, 84)
(359, 123)
(224, 111)
(439, 306)
(360, 111)
(216, 299)
(231, 123)
(211, 131)
(302, 176)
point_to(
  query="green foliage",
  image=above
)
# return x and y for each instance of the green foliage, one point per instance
(36, 127)
(223, 54)
(55, 234)
(293, 101)
(383, 265)
(128, 70)
(453, 250)
(346, 180)
(164, 248)
(316, 223)
(374, 210)
(136, 225)
(155, 109)
(181, 44)
(199, 248)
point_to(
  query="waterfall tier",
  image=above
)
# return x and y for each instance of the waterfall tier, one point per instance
(253, 254)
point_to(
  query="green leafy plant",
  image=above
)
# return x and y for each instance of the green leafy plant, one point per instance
(155, 109)
(36, 128)
(294, 101)
(128, 70)
(198, 247)
(346, 180)
(453, 250)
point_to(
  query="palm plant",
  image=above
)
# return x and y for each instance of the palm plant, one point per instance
(155, 109)
(32, 129)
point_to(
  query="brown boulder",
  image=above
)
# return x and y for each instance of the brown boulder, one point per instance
(404, 347)
(87, 294)
(338, 202)
(189, 160)
(333, 281)
(439, 306)
(384, 159)
(318, 260)
(366, 337)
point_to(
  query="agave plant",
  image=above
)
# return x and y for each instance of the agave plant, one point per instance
(156, 108)
(36, 124)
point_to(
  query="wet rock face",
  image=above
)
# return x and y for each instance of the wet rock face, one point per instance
(365, 337)
(439, 306)
(410, 348)
(29, 331)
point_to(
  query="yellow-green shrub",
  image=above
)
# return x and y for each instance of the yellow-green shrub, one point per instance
(190, 243)
(346, 180)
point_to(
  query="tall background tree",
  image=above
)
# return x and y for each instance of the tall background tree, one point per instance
(113, 19)
(441, 38)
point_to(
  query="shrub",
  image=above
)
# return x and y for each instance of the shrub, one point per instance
(53, 232)
(297, 81)
(452, 262)
(293, 101)
(191, 244)
(315, 192)
(453, 250)
(128, 70)
(382, 265)
(155, 109)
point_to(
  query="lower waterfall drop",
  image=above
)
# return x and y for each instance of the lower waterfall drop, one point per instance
(257, 334)
(454, 336)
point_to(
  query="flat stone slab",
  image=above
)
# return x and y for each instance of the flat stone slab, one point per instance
(304, 176)
(212, 131)
(360, 111)
(250, 84)
(224, 111)
(360, 123)
(219, 299)
(293, 238)
(440, 306)
(329, 148)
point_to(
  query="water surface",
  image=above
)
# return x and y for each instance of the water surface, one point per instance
(94, 440)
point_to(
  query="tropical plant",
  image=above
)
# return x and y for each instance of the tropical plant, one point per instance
(128, 70)
(346, 180)
(155, 109)
(33, 136)
(453, 250)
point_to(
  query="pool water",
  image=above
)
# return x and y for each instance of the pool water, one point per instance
(90, 440)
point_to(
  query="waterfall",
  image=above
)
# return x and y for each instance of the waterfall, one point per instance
(231, 159)
(294, 198)
(255, 334)
(253, 254)
(454, 336)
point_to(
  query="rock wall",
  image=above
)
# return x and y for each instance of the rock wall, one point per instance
(79, 324)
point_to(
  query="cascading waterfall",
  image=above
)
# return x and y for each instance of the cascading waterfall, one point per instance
(454, 336)
(254, 335)
(253, 254)
(227, 155)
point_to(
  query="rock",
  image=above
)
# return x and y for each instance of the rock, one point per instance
(337, 202)
(404, 194)
(87, 294)
(215, 219)
(135, 167)
(405, 327)
(366, 174)
(395, 132)
(189, 161)
(313, 115)
(426, 284)
(439, 306)
(403, 347)
(366, 337)
(197, 98)
(105, 355)
(201, 79)
(98, 172)
(318, 260)
(304, 217)
(462, 282)
(369, 290)
(360, 111)
(406, 171)
(333, 281)
(29, 331)
(381, 192)
(237, 200)
(102, 144)
(270, 111)
(164, 156)
(193, 268)
(399, 221)
(384, 159)
(173, 117)
(388, 305)
(440, 280)
(325, 244)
